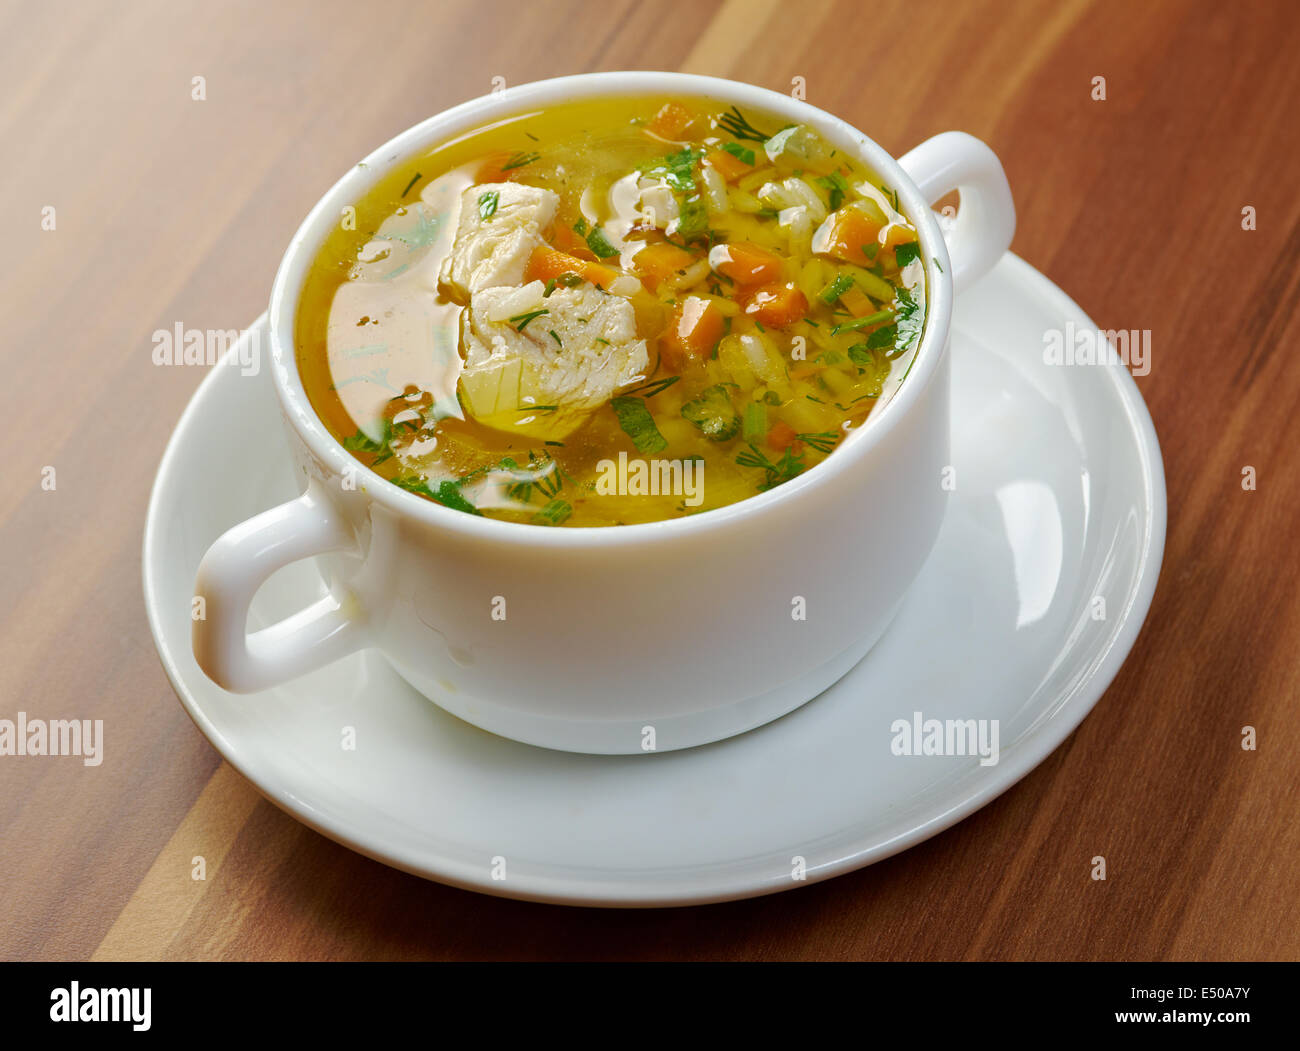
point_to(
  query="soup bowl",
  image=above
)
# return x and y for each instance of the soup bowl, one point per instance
(620, 639)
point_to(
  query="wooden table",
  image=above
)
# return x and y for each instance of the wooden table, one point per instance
(169, 209)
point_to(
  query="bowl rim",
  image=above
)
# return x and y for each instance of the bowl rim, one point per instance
(510, 103)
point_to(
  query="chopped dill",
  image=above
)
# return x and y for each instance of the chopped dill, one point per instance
(523, 319)
(735, 124)
(519, 160)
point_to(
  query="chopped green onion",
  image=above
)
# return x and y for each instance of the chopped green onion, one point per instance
(832, 292)
(863, 322)
(713, 413)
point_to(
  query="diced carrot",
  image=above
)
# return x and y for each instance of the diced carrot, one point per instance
(546, 264)
(745, 263)
(848, 234)
(857, 302)
(694, 327)
(566, 239)
(781, 436)
(658, 262)
(494, 168)
(897, 234)
(777, 306)
(672, 122)
(729, 166)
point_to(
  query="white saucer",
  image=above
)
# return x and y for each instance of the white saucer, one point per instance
(1059, 499)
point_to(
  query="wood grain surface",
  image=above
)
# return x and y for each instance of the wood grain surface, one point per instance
(170, 209)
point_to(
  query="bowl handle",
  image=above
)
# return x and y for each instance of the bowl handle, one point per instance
(986, 220)
(237, 564)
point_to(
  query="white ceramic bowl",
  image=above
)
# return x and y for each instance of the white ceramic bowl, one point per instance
(619, 639)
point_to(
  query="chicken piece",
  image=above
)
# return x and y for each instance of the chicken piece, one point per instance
(495, 235)
(542, 374)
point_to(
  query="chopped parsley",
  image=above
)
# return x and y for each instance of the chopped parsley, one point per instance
(487, 204)
(882, 337)
(638, 424)
(599, 244)
(448, 493)
(359, 442)
(910, 320)
(677, 170)
(740, 152)
(837, 186)
(381, 449)
(906, 253)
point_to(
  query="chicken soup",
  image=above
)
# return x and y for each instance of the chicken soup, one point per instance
(611, 312)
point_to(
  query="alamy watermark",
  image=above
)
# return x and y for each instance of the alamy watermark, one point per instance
(1094, 346)
(179, 345)
(92, 1004)
(629, 477)
(56, 737)
(922, 736)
